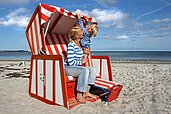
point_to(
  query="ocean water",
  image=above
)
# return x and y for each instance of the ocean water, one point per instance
(136, 55)
(15, 55)
(114, 55)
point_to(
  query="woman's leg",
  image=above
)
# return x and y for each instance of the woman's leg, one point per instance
(82, 73)
(82, 81)
(92, 75)
(91, 81)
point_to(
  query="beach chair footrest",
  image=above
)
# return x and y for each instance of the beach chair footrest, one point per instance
(108, 93)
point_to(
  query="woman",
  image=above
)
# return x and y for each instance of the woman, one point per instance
(85, 75)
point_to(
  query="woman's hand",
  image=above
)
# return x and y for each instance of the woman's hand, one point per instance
(85, 59)
(87, 51)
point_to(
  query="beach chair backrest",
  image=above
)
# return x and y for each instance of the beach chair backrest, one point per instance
(56, 44)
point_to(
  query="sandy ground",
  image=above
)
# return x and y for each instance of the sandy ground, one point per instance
(147, 90)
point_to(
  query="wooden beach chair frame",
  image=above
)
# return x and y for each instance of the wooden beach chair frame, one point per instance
(47, 33)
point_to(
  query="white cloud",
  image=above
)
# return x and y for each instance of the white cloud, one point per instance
(106, 18)
(156, 21)
(15, 1)
(166, 20)
(122, 37)
(136, 24)
(18, 18)
(106, 2)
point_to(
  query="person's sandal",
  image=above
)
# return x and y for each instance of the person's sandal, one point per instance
(90, 96)
(81, 100)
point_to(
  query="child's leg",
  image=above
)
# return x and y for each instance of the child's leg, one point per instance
(86, 56)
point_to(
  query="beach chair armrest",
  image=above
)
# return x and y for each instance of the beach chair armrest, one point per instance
(103, 66)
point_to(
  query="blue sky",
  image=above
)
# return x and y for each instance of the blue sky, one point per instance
(123, 24)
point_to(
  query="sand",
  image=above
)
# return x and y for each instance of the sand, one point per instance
(147, 90)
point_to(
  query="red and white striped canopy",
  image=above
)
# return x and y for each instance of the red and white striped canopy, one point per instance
(60, 20)
(53, 20)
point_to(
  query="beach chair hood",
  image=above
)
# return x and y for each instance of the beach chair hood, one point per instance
(49, 19)
(58, 20)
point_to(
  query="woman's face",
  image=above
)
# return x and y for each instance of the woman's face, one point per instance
(80, 34)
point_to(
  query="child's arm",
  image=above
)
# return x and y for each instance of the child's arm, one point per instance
(85, 32)
(87, 22)
(80, 23)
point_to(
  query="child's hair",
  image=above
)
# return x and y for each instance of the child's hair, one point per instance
(73, 32)
(94, 30)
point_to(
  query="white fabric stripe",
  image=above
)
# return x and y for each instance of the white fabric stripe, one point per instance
(42, 21)
(97, 74)
(110, 85)
(96, 64)
(107, 81)
(30, 40)
(46, 12)
(51, 46)
(72, 16)
(57, 43)
(47, 51)
(63, 43)
(70, 77)
(49, 80)
(59, 93)
(34, 38)
(65, 13)
(38, 30)
(57, 8)
(104, 71)
(33, 81)
(40, 77)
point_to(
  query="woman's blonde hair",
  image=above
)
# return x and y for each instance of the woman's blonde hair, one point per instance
(73, 33)
(94, 30)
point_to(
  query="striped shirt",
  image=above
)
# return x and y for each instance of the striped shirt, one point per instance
(74, 55)
(85, 41)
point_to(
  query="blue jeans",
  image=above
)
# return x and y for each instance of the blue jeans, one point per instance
(85, 76)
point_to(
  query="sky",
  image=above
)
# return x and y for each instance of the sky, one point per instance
(124, 25)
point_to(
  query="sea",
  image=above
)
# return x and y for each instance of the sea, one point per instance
(114, 55)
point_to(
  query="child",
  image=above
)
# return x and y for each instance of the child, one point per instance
(88, 31)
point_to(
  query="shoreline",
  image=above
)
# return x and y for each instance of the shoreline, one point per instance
(113, 61)
(141, 61)
(15, 60)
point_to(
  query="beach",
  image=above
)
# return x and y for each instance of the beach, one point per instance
(146, 90)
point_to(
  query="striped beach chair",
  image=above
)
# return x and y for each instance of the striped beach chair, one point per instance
(47, 35)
